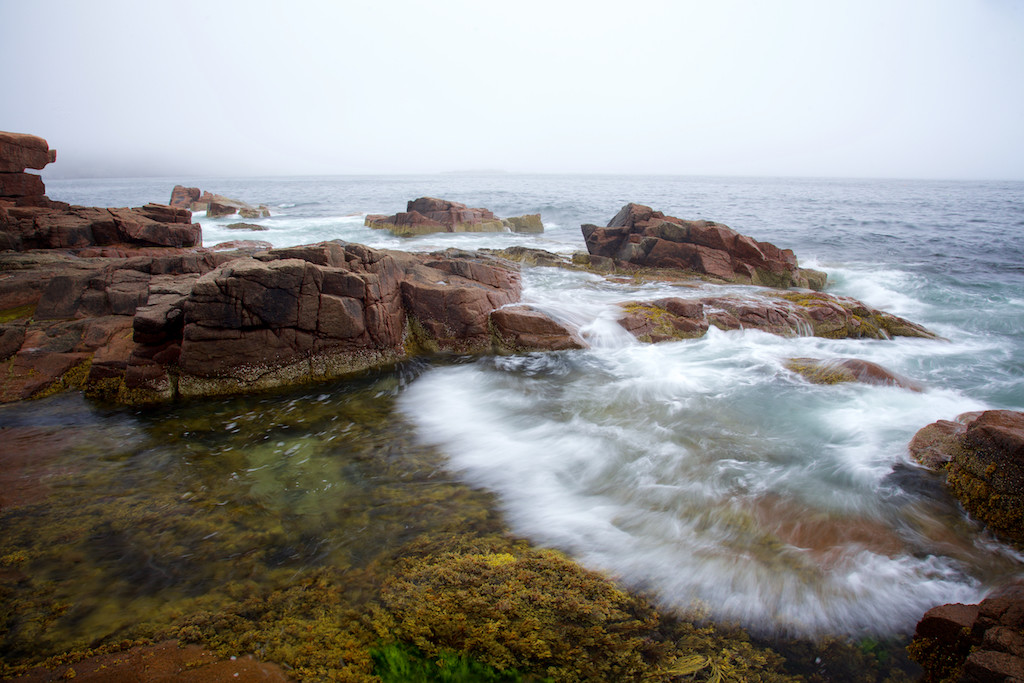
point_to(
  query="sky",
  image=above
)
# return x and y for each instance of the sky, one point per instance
(843, 88)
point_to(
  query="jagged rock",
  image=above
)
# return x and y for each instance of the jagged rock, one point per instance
(183, 197)
(521, 328)
(983, 457)
(214, 205)
(642, 237)
(838, 370)
(787, 314)
(973, 643)
(428, 215)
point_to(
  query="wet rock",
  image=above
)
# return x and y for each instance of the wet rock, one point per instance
(983, 458)
(247, 226)
(973, 643)
(530, 223)
(166, 661)
(529, 256)
(214, 205)
(428, 215)
(786, 314)
(838, 370)
(640, 236)
(521, 328)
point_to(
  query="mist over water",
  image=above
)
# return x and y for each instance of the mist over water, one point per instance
(704, 471)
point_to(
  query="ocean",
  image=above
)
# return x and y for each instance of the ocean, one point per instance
(700, 472)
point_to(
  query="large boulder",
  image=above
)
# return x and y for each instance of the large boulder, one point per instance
(521, 328)
(639, 236)
(982, 455)
(428, 215)
(973, 643)
(19, 151)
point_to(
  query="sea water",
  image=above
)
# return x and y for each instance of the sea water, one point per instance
(704, 472)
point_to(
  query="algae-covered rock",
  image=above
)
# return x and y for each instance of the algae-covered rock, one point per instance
(529, 223)
(786, 314)
(983, 457)
(839, 370)
(535, 611)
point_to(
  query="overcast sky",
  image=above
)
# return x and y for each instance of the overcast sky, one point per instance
(875, 88)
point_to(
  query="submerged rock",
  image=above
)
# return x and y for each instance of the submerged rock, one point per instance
(641, 237)
(838, 370)
(983, 458)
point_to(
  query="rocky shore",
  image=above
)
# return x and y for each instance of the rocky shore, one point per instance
(125, 305)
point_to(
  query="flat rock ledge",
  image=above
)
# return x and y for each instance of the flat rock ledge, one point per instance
(982, 457)
(428, 215)
(640, 237)
(973, 643)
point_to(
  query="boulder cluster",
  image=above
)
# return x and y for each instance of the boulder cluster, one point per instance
(428, 215)
(215, 205)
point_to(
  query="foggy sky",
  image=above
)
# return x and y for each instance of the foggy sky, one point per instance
(858, 88)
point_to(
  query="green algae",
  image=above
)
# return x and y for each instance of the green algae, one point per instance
(311, 529)
(25, 312)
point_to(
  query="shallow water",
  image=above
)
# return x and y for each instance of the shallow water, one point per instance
(145, 516)
(702, 471)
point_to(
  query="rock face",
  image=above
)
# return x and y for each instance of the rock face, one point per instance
(983, 458)
(152, 325)
(639, 236)
(214, 205)
(428, 215)
(973, 643)
(787, 314)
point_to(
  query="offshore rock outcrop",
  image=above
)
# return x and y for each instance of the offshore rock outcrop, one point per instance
(215, 205)
(639, 236)
(428, 215)
(982, 456)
